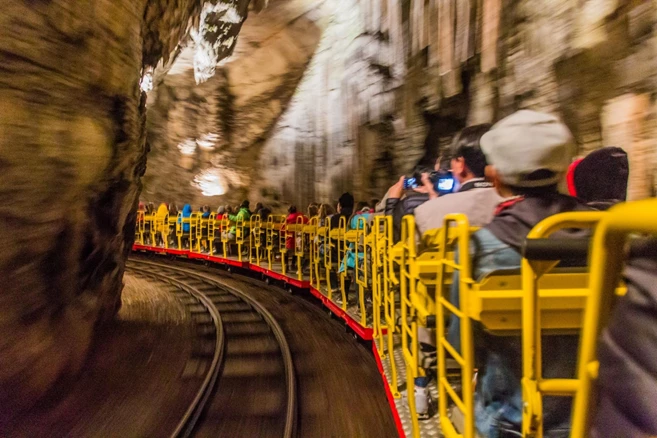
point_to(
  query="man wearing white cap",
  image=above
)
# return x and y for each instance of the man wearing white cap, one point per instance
(528, 154)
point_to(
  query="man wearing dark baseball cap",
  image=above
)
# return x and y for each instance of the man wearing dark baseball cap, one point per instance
(528, 155)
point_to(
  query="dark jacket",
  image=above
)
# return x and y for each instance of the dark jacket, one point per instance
(628, 354)
(515, 218)
(398, 208)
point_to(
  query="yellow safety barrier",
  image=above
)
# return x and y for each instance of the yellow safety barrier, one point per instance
(239, 236)
(410, 345)
(385, 243)
(339, 245)
(309, 233)
(362, 269)
(607, 261)
(256, 239)
(506, 302)
(315, 253)
(140, 228)
(558, 304)
(325, 232)
(225, 230)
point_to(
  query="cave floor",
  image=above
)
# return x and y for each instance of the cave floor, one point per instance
(130, 385)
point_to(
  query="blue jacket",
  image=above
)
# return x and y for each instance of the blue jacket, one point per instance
(186, 213)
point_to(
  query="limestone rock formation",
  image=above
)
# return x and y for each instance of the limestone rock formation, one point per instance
(72, 152)
(206, 137)
(391, 81)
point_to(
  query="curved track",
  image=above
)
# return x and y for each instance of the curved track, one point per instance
(250, 355)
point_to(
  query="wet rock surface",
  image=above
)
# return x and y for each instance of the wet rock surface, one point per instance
(72, 152)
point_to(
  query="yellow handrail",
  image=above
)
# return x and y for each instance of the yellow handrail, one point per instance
(607, 261)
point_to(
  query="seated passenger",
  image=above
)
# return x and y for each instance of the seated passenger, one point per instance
(601, 178)
(205, 212)
(186, 214)
(291, 243)
(243, 215)
(344, 209)
(399, 203)
(362, 210)
(264, 213)
(474, 197)
(477, 199)
(313, 210)
(528, 153)
(325, 213)
(627, 381)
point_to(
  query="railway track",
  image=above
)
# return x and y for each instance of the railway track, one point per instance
(241, 354)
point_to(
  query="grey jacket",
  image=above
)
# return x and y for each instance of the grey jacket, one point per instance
(477, 204)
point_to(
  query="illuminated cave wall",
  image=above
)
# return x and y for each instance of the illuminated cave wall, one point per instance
(72, 148)
(205, 138)
(392, 81)
(384, 84)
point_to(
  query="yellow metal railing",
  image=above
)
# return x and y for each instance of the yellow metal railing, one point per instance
(607, 262)
(534, 386)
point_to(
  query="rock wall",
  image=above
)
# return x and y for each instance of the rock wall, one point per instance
(392, 81)
(72, 152)
(205, 137)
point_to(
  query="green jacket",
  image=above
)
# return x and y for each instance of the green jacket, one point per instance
(244, 214)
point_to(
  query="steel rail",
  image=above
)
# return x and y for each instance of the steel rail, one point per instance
(187, 424)
(279, 334)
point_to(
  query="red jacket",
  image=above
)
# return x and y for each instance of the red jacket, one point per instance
(290, 236)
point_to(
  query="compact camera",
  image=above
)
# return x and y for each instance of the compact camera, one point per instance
(443, 181)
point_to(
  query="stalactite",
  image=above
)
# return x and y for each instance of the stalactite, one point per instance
(490, 34)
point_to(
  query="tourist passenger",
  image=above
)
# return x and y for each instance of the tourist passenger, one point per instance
(475, 197)
(186, 214)
(205, 212)
(601, 178)
(243, 215)
(400, 203)
(221, 211)
(528, 153)
(362, 210)
(293, 217)
(264, 213)
(627, 381)
(313, 210)
(345, 208)
(325, 212)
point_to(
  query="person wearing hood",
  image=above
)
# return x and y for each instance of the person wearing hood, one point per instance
(186, 214)
(243, 214)
(528, 154)
(601, 178)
